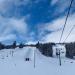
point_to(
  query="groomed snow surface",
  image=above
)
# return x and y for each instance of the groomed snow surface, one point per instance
(12, 62)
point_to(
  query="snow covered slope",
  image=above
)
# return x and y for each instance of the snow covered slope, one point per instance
(12, 62)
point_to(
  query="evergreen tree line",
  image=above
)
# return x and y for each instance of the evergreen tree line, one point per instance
(44, 48)
(12, 46)
(70, 50)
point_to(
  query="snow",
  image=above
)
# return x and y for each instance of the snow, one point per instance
(15, 64)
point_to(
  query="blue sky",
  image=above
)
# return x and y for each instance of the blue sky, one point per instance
(33, 20)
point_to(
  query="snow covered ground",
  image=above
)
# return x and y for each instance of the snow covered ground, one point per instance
(12, 62)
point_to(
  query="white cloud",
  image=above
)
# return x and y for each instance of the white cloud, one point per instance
(6, 5)
(53, 2)
(19, 25)
(15, 29)
(61, 6)
(12, 26)
(8, 37)
(8, 25)
(55, 25)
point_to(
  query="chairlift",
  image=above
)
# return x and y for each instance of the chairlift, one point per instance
(27, 59)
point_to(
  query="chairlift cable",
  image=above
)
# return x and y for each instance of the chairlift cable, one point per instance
(66, 20)
(69, 33)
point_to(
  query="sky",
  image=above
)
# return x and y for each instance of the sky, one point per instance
(30, 21)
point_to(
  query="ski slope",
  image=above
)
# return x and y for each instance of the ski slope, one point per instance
(12, 62)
